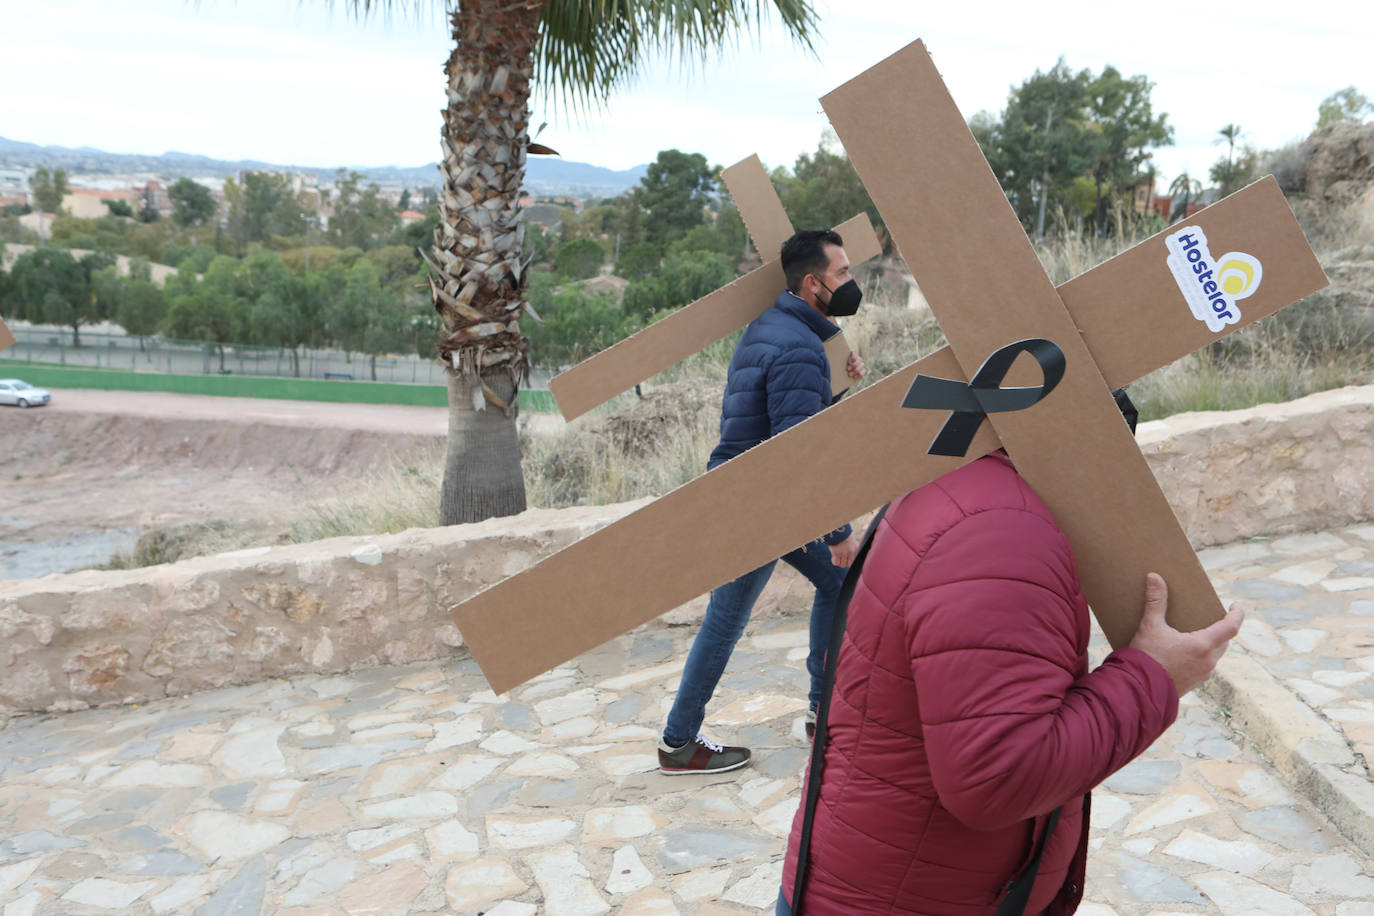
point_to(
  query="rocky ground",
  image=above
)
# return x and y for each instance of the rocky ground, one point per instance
(415, 790)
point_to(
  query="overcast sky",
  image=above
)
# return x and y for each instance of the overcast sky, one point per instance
(306, 84)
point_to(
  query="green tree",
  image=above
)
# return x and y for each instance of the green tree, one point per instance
(699, 238)
(538, 244)
(48, 188)
(1063, 132)
(360, 215)
(1346, 105)
(1228, 135)
(582, 52)
(568, 225)
(579, 259)
(120, 208)
(1186, 187)
(576, 325)
(148, 213)
(1037, 148)
(199, 255)
(674, 194)
(52, 287)
(346, 314)
(106, 233)
(682, 279)
(822, 190)
(211, 309)
(418, 233)
(599, 221)
(1124, 128)
(147, 240)
(638, 261)
(140, 308)
(731, 228)
(1235, 170)
(398, 266)
(192, 203)
(262, 207)
(285, 310)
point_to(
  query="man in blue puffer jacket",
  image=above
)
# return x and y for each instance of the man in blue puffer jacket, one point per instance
(778, 377)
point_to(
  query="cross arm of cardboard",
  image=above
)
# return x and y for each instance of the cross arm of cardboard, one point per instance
(759, 205)
(763, 214)
(670, 340)
(6, 338)
(746, 512)
(986, 286)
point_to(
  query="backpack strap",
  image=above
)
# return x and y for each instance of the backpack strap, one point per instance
(832, 658)
(1019, 891)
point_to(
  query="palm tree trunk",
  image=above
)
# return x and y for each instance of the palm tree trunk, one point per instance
(478, 286)
(482, 447)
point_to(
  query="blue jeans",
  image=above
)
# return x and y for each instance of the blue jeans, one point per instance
(727, 615)
(783, 908)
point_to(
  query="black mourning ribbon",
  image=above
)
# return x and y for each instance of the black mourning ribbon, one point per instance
(971, 402)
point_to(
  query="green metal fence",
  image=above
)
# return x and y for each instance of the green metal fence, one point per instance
(50, 358)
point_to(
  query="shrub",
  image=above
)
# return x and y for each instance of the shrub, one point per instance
(579, 259)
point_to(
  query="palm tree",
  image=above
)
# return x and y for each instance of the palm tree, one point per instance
(1230, 134)
(581, 50)
(1187, 186)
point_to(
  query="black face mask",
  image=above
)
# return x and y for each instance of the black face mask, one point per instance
(844, 299)
(1127, 409)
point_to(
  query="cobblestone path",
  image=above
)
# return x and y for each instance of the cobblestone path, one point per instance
(415, 790)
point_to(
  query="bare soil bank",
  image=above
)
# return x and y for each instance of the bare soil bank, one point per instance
(98, 461)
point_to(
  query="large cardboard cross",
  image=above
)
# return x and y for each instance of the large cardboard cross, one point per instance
(670, 340)
(762, 211)
(945, 211)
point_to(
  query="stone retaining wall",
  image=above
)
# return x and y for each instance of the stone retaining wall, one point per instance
(71, 641)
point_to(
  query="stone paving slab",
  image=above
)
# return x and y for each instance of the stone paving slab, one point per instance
(415, 790)
(1300, 681)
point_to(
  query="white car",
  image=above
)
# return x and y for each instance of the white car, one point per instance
(15, 391)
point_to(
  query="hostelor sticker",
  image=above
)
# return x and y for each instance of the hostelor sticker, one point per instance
(1211, 286)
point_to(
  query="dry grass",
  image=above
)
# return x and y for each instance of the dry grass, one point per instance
(642, 448)
(192, 539)
(626, 450)
(1324, 342)
(396, 499)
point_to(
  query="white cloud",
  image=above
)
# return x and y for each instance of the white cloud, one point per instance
(304, 84)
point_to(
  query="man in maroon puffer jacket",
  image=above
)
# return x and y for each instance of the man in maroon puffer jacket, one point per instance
(964, 713)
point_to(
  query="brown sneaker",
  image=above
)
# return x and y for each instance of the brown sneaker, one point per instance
(700, 755)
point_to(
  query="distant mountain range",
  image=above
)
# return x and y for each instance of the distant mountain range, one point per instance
(543, 174)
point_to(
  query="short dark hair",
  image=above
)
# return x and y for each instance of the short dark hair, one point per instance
(804, 253)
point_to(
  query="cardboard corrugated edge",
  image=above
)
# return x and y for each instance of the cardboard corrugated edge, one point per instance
(837, 352)
(759, 205)
(746, 512)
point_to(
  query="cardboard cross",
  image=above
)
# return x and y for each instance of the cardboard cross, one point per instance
(670, 340)
(769, 226)
(6, 338)
(1127, 317)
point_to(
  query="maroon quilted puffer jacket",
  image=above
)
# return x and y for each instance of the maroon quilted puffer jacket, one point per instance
(964, 712)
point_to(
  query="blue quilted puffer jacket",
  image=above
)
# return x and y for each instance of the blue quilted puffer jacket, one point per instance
(778, 377)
